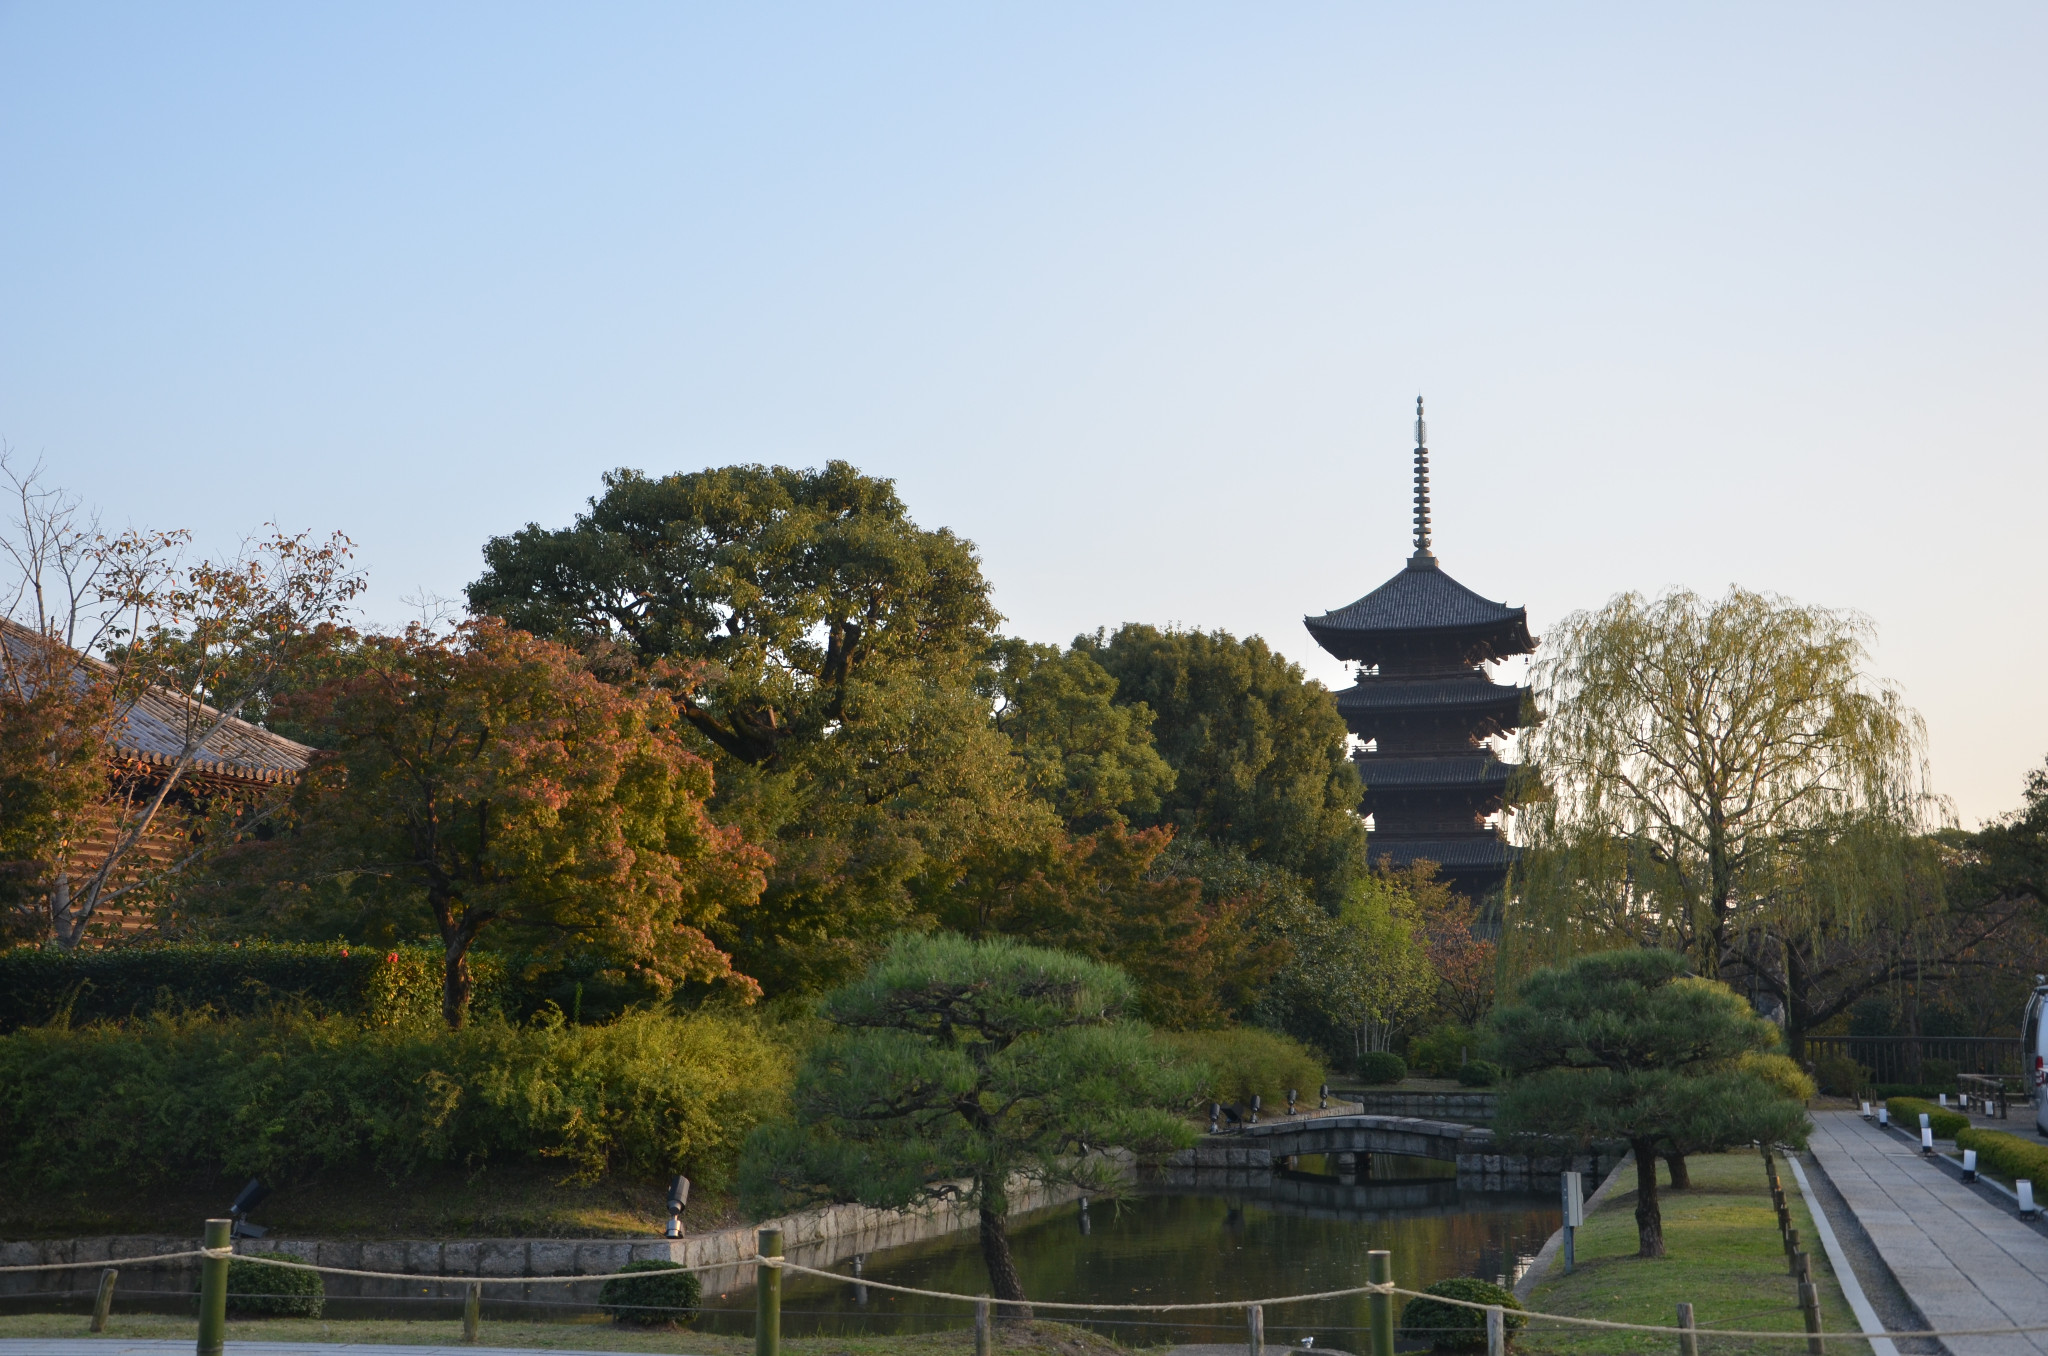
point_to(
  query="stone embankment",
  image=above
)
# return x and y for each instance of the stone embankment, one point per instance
(1236, 1158)
(815, 1238)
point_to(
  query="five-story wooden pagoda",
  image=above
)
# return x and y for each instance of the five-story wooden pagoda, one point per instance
(1425, 706)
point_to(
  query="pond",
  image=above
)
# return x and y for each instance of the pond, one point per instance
(1301, 1232)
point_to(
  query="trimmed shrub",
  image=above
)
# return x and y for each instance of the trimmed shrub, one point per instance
(1839, 1075)
(1452, 1327)
(381, 986)
(1781, 1073)
(1906, 1112)
(1444, 1051)
(286, 1095)
(1479, 1073)
(2009, 1156)
(274, 1292)
(1382, 1066)
(1244, 1060)
(665, 1295)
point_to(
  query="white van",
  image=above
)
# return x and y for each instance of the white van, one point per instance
(2034, 1042)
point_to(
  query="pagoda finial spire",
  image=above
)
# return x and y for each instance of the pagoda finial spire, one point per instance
(1423, 558)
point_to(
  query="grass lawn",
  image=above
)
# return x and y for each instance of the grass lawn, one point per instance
(1723, 1256)
(513, 1200)
(1049, 1339)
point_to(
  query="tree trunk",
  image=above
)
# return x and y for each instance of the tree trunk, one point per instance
(1003, 1281)
(65, 925)
(455, 983)
(1798, 1011)
(1681, 1179)
(1649, 1219)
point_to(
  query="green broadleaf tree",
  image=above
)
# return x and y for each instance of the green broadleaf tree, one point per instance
(957, 1068)
(1627, 1045)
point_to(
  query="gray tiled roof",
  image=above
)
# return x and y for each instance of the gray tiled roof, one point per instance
(1403, 694)
(1480, 771)
(1480, 851)
(156, 727)
(1419, 598)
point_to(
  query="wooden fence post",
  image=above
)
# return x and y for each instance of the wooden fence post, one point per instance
(768, 1296)
(104, 1301)
(1809, 1307)
(981, 1334)
(1255, 1330)
(213, 1290)
(1379, 1269)
(1496, 1331)
(1688, 1345)
(472, 1311)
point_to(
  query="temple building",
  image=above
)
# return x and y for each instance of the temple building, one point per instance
(1425, 706)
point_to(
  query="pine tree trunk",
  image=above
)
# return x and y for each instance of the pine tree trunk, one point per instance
(1649, 1219)
(1681, 1179)
(1003, 1281)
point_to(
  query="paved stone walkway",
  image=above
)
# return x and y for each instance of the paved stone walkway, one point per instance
(1963, 1261)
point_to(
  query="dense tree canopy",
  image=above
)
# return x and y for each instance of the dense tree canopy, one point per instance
(960, 1068)
(1259, 754)
(491, 778)
(790, 586)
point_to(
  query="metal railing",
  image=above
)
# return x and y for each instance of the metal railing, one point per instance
(1904, 1059)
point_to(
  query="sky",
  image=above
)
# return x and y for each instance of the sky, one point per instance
(1138, 297)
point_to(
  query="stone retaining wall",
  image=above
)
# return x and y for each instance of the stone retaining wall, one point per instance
(1473, 1108)
(816, 1238)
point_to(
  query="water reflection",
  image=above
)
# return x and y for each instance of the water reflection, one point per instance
(1290, 1233)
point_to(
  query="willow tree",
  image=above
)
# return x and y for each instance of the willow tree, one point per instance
(1700, 764)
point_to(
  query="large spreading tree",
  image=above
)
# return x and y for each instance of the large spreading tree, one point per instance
(957, 1070)
(1627, 1045)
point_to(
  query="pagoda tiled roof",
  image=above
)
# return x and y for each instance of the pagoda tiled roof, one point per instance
(1472, 852)
(1440, 694)
(1420, 598)
(1478, 771)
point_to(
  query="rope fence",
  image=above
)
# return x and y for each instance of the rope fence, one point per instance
(214, 1259)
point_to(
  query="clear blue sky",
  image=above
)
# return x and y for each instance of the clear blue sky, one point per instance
(1138, 297)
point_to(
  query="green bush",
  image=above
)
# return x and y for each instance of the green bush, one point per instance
(666, 1294)
(1382, 1066)
(2010, 1156)
(1452, 1327)
(274, 1292)
(381, 986)
(1246, 1060)
(1479, 1073)
(1839, 1075)
(1444, 1050)
(286, 1094)
(1906, 1112)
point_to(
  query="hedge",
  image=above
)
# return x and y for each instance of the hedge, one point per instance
(1453, 1327)
(274, 1292)
(381, 986)
(1381, 1066)
(285, 1095)
(1906, 1112)
(660, 1298)
(2012, 1157)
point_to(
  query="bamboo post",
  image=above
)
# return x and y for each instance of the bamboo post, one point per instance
(1379, 1269)
(472, 1311)
(213, 1290)
(1496, 1331)
(768, 1296)
(1688, 1344)
(1255, 1330)
(1809, 1307)
(104, 1301)
(981, 1335)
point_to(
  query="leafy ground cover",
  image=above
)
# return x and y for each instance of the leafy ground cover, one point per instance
(1044, 1339)
(1725, 1259)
